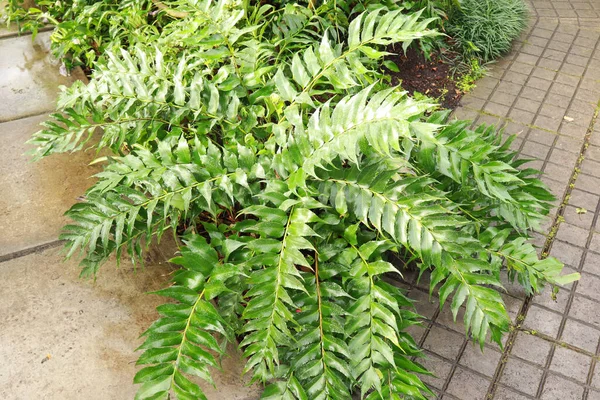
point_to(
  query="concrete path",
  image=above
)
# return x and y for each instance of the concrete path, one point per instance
(62, 338)
(548, 91)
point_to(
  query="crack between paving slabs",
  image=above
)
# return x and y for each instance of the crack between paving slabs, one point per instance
(31, 250)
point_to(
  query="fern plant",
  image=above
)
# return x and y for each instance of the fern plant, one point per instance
(267, 139)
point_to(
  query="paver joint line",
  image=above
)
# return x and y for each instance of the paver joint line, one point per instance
(30, 250)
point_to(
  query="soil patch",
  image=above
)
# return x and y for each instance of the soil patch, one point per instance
(433, 77)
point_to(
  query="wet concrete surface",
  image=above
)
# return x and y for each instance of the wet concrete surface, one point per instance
(66, 338)
(29, 78)
(34, 196)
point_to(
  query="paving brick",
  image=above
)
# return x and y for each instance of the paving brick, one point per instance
(538, 83)
(549, 123)
(559, 46)
(541, 136)
(509, 87)
(585, 310)
(569, 144)
(423, 304)
(569, 254)
(444, 342)
(583, 199)
(468, 385)
(592, 263)
(502, 98)
(533, 94)
(589, 286)
(521, 376)
(567, 79)
(552, 111)
(563, 157)
(581, 335)
(581, 218)
(557, 100)
(523, 117)
(439, 367)
(570, 363)
(593, 153)
(536, 150)
(563, 90)
(549, 64)
(543, 321)
(590, 183)
(572, 234)
(559, 388)
(496, 109)
(574, 131)
(504, 393)
(543, 73)
(557, 302)
(595, 243)
(531, 348)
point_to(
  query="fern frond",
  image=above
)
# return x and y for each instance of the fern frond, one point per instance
(182, 343)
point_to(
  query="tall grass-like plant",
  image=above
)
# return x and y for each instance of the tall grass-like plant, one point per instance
(266, 137)
(487, 28)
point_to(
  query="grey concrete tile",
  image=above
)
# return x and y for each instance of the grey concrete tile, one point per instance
(446, 319)
(502, 98)
(572, 69)
(581, 336)
(533, 94)
(520, 116)
(527, 105)
(561, 47)
(559, 388)
(588, 183)
(589, 286)
(504, 393)
(521, 376)
(549, 123)
(593, 395)
(543, 321)
(547, 63)
(557, 302)
(557, 100)
(595, 243)
(543, 73)
(567, 79)
(593, 153)
(509, 87)
(574, 131)
(549, 110)
(467, 385)
(563, 157)
(483, 362)
(31, 212)
(444, 342)
(579, 217)
(496, 109)
(423, 304)
(439, 367)
(531, 348)
(558, 173)
(563, 90)
(416, 331)
(569, 144)
(570, 363)
(536, 150)
(583, 199)
(572, 234)
(29, 81)
(592, 263)
(541, 136)
(585, 310)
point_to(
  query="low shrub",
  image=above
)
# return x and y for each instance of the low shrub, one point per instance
(267, 137)
(487, 28)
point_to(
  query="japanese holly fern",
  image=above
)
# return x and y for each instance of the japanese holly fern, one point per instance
(268, 138)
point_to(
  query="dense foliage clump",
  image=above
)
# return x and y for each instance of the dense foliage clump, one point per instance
(487, 28)
(267, 137)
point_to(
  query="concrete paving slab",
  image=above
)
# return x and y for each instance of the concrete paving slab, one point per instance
(86, 332)
(34, 196)
(30, 77)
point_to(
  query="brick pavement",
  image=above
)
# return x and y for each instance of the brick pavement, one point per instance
(547, 90)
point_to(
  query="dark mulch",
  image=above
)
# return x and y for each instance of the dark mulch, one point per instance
(431, 77)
